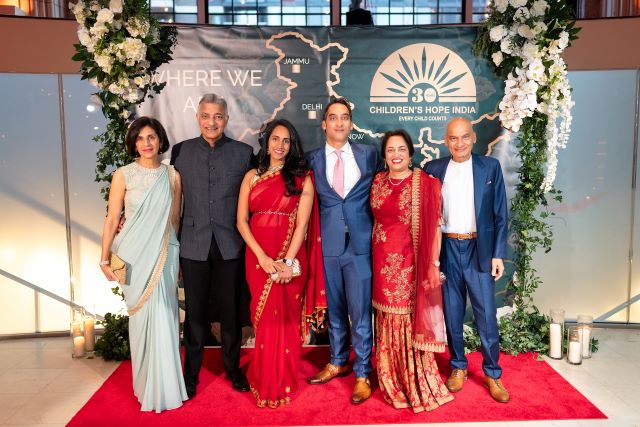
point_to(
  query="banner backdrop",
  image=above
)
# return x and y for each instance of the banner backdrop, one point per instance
(416, 78)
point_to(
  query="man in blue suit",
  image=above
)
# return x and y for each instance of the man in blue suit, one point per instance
(473, 248)
(343, 175)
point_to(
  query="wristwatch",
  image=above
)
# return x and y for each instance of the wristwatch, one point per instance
(288, 262)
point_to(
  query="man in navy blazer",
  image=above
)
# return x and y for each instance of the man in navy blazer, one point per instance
(473, 248)
(343, 176)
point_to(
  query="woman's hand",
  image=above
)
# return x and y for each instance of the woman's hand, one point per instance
(285, 273)
(268, 265)
(108, 273)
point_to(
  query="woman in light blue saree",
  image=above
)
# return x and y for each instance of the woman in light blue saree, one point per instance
(150, 193)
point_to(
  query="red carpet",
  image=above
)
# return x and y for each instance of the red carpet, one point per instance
(537, 393)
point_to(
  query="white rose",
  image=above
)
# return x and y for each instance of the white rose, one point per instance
(501, 5)
(525, 31)
(116, 89)
(125, 114)
(518, 3)
(539, 8)
(105, 16)
(135, 50)
(530, 51)
(497, 58)
(497, 33)
(98, 30)
(530, 87)
(563, 41)
(522, 14)
(78, 8)
(105, 62)
(84, 36)
(115, 6)
(505, 45)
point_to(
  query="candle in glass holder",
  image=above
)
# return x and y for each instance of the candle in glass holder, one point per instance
(585, 324)
(89, 333)
(574, 346)
(555, 333)
(76, 329)
(78, 346)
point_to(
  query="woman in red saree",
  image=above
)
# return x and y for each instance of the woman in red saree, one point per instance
(407, 296)
(278, 219)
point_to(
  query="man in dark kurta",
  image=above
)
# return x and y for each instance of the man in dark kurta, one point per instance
(211, 249)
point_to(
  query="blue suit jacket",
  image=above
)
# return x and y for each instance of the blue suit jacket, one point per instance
(352, 213)
(490, 201)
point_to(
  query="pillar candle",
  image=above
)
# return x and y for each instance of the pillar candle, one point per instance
(89, 338)
(573, 353)
(555, 341)
(78, 346)
(586, 342)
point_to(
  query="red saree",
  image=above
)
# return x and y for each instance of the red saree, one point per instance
(277, 309)
(407, 293)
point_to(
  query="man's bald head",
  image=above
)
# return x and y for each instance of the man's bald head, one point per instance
(459, 138)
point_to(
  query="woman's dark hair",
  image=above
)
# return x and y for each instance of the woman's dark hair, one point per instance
(134, 130)
(295, 164)
(397, 132)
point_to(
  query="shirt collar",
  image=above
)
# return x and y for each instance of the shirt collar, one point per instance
(346, 149)
(219, 143)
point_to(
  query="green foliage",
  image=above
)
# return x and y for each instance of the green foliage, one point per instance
(113, 344)
(526, 329)
(113, 60)
(471, 339)
(520, 332)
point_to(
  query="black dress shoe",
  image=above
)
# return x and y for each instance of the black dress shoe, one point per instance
(191, 390)
(238, 381)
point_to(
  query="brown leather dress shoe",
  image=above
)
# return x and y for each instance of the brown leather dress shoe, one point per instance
(456, 380)
(361, 391)
(328, 373)
(496, 389)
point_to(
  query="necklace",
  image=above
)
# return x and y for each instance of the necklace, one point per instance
(274, 168)
(398, 183)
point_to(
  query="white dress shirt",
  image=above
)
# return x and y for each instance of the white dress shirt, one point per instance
(351, 169)
(459, 212)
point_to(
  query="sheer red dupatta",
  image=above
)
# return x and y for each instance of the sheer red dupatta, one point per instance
(428, 318)
(315, 297)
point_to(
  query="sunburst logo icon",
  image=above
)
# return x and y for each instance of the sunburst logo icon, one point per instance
(423, 73)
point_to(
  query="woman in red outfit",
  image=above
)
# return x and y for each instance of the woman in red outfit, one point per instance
(278, 219)
(407, 296)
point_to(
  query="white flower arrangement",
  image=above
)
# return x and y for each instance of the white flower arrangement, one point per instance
(120, 48)
(525, 39)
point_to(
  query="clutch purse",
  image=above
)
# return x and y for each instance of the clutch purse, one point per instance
(119, 268)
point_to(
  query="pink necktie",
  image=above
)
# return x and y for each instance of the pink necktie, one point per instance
(338, 174)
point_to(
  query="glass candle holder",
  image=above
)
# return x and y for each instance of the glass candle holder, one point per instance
(556, 326)
(585, 326)
(77, 337)
(89, 325)
(574, 345)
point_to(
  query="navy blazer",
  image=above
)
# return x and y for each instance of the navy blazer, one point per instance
(353, 213)
(490, 201)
